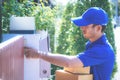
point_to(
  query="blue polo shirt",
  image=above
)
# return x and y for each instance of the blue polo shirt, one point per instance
(99, 55)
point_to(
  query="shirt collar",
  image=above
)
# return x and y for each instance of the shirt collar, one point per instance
(101, 40)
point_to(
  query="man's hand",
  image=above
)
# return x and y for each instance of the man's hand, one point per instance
(31, 53)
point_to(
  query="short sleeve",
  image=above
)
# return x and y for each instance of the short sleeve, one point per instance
(93, 56)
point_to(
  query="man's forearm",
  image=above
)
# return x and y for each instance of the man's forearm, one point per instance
(57, 59)
(61, 60)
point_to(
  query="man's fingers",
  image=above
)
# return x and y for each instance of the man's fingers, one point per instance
(30, 53)
(25, 47)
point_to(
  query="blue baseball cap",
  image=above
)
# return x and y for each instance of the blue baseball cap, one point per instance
(93, 15)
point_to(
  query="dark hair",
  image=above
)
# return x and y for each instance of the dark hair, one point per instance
(103, 27)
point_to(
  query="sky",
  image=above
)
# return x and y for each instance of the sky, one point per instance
(63, 2)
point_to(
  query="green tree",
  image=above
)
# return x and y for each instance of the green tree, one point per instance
(44, 16)
(70, 40)
(119, 8)
(0, 21)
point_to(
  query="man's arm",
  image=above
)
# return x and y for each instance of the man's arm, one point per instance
(57, 59)
(62, 60)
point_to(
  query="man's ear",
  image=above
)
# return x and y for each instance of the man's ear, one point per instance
(99, 28)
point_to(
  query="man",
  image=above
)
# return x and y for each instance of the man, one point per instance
(98, 54)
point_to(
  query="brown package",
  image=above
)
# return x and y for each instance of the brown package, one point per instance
(63, 75)
(80, 70)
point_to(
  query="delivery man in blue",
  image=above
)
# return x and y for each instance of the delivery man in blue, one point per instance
(99, 54)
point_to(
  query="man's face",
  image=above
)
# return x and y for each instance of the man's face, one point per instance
(89, 32)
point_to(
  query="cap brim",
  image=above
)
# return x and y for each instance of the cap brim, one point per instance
(79, 21)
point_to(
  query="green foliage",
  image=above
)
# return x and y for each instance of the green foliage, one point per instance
(119, 8)
(70, 40)
(70, 36)
(45, 19)
(0, 21)
(44, 16)
(14, 8)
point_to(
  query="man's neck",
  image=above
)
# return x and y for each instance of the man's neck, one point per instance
(96, 37)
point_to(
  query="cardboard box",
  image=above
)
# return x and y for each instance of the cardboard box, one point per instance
(80, 70)
(63, 75)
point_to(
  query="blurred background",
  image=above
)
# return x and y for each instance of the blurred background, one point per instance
(54, 16)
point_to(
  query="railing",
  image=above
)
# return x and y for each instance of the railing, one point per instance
(12, 59)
